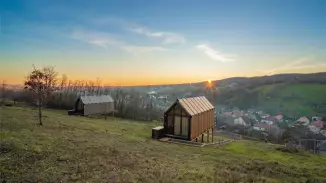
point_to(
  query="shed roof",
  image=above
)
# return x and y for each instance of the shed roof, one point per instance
(195, 105)
(96, 99)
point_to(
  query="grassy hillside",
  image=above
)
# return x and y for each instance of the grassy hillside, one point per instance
(294, 99)
(78, 149)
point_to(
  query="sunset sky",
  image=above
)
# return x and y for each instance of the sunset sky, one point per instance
(144, 42)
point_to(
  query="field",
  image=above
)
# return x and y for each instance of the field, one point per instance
(294, 99)
(79, 149)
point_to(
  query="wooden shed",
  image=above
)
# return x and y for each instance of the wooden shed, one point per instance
(188, 118)
(89, 105)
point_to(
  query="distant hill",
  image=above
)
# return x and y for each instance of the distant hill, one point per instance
(278, 78)
(291, 94)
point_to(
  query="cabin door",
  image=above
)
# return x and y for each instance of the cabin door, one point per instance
(177, 125)
(184, 126)
(181, 126)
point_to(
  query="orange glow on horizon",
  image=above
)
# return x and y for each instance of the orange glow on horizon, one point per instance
(118, 81)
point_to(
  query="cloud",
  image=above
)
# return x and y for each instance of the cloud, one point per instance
(143, 49)
(215, 54)
(167, 37)
(295, 65)
(105, 40)
(96, 38)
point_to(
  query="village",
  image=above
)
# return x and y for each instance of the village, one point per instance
(269, 125)
(256, 123)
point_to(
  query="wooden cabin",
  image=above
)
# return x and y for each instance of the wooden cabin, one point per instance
(89, 105)
(188, 118)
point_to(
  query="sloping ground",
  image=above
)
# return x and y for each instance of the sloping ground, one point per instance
(294, 99)
(78, 149)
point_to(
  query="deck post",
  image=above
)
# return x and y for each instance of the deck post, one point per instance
(202, 137)
(207, 136)
(181, 122)
(213, 134)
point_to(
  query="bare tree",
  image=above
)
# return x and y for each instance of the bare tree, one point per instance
(98, 86)
(3, 91)
(63, 85)
(41, 83)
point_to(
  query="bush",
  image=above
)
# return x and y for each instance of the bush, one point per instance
(287, 149)
(8, 105)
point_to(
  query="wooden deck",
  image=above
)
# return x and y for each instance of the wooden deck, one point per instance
(192, 143)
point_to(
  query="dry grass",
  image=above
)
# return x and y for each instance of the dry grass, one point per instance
(78, 149)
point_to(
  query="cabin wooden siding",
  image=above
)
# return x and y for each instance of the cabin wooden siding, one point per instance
(89, 105)
(188, 118)
(200, 123)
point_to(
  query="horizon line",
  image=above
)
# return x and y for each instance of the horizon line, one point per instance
(148, 85)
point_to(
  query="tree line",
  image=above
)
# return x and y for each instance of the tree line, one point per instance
(46, 88)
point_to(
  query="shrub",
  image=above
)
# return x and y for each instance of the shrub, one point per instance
(287, 149)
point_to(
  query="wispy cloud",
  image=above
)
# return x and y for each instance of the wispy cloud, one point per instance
(215, 54)
(107, 41)
(299, 64)
(96, 38)
(167, 37)
(142, 49)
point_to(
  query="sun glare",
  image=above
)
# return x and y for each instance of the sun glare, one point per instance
(209, 81)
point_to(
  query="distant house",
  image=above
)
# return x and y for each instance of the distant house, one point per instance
(240, 121)
(314, 129)
(303, 121)
(152, 94)
(246, 119)
(279, 117)
(261, 126)
(89, 105)
(264, 116)
(163, 98)
(269, 120)
(316, 118)
(323, 132)
(319, 124)
(237, 113)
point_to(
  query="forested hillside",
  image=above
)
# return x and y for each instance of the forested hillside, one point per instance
(292, 94)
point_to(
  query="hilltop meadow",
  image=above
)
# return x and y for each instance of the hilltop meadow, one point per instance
(79, 149)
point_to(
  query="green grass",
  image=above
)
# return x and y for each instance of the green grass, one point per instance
(294, 99)
(79, 149)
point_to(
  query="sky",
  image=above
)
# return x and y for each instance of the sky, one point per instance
(147, 42)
